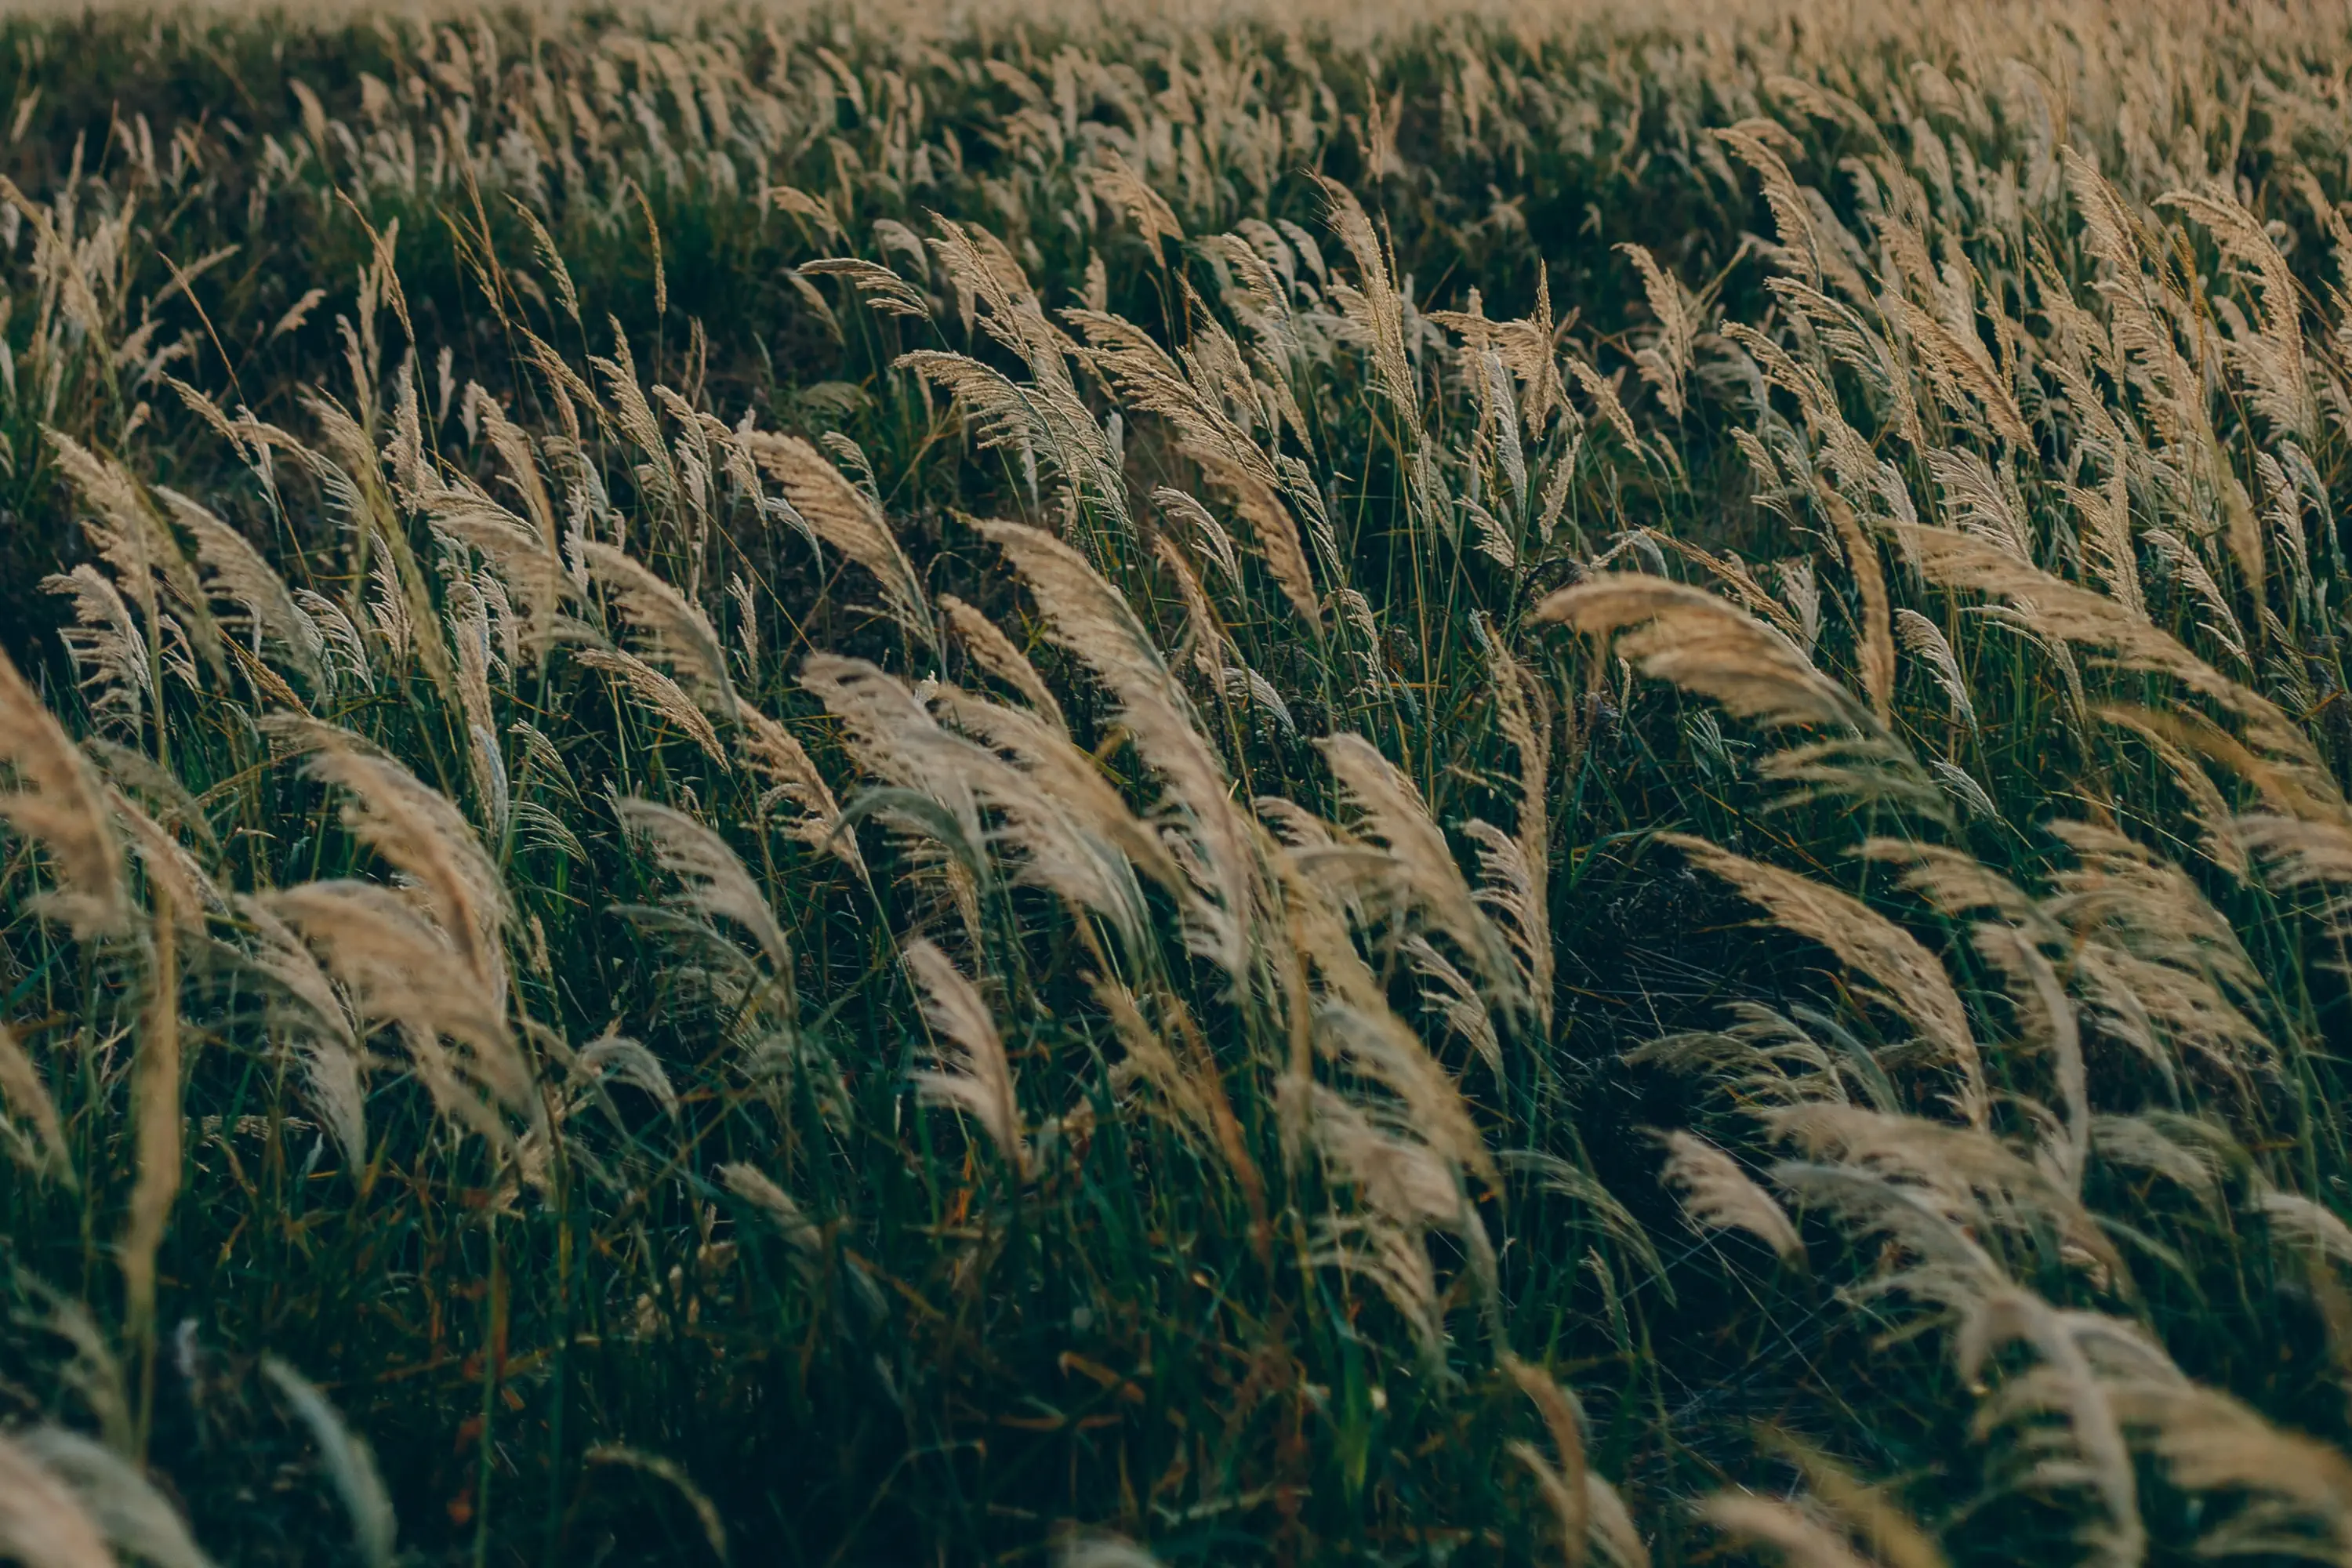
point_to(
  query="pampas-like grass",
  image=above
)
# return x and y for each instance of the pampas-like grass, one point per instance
(846, 518)
(1396, 1262)
(1907, 977)
(1891, 1535)
(419, 833)
(2046, 1016)
(1970, 1173)
(1695, 640)
(1373, 1042)
(884, 289)
(1515, 875)
(1292, 1015)
(1563, 1485)
(2166, 1146)
(1424, 876)
(806, 1242)
(1876, 643)
(1666, 361)
(711, 881)
(432, 962)
(1764, 1059)
(1103, 1552)
(663, 697)
(2308, 1225)
(634, 416)
(108, 649)
(1071, 832)
(42, 1523)
(2091, 1455)
(671, 629)
(1593, 1519)
(1376, 311)
(1230, 457)
(533, 571)
(56, 801)
(27, 1100)
(2300, 852)
(611, 1057)
(1116, 181)
(1955, 883)
(1719, 1195)
(2062, 612)
(1449, 994)
(785, 765)
(1044, 428)
(2294, 1488)
(1928, 1251)
(993, 652)
(1401, 1177)
(2166, 969)
(349, 1461)
(177, 884)
(1798, 1538)
(892, 736)
(1616, 1541)
(235, 571)
(1088, 618)
(1148, 1061)
(2271, 362)
(399, 969)
(513, 447)
(1043, 419)
(1185, 1073)
(1926, 643)
(123, 1502)
(314, 1014)
(973, 1076)
(1066, 777)
(133, 541)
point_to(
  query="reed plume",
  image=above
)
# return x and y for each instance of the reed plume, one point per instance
(116, 1497)
(42, 1523)
(1593, 1519)
(1794, 1534)
(1909, 979)
(1693, 640)
(1719, 1195)
(1087, 617)
(54, 799)
(842, 516)
(1424, 875)
(713, 883)
(670, 628)
(973, 1077)
(29, 1102)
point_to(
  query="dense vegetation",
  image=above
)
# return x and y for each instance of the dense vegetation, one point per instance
(837, 787)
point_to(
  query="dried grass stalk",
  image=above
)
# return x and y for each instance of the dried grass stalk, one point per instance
(1907, 977)
(54, 798)
(1695, 640)
(1716, 1194)
(848, 519)
(27, 1102)
(42, 1523)
(155, 1098)
(974, 1075)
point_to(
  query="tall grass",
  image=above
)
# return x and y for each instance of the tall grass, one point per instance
(1200, 788)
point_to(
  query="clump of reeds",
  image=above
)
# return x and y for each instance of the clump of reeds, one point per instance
(1048, 776)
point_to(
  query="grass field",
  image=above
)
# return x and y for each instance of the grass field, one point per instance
(1103, 784)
